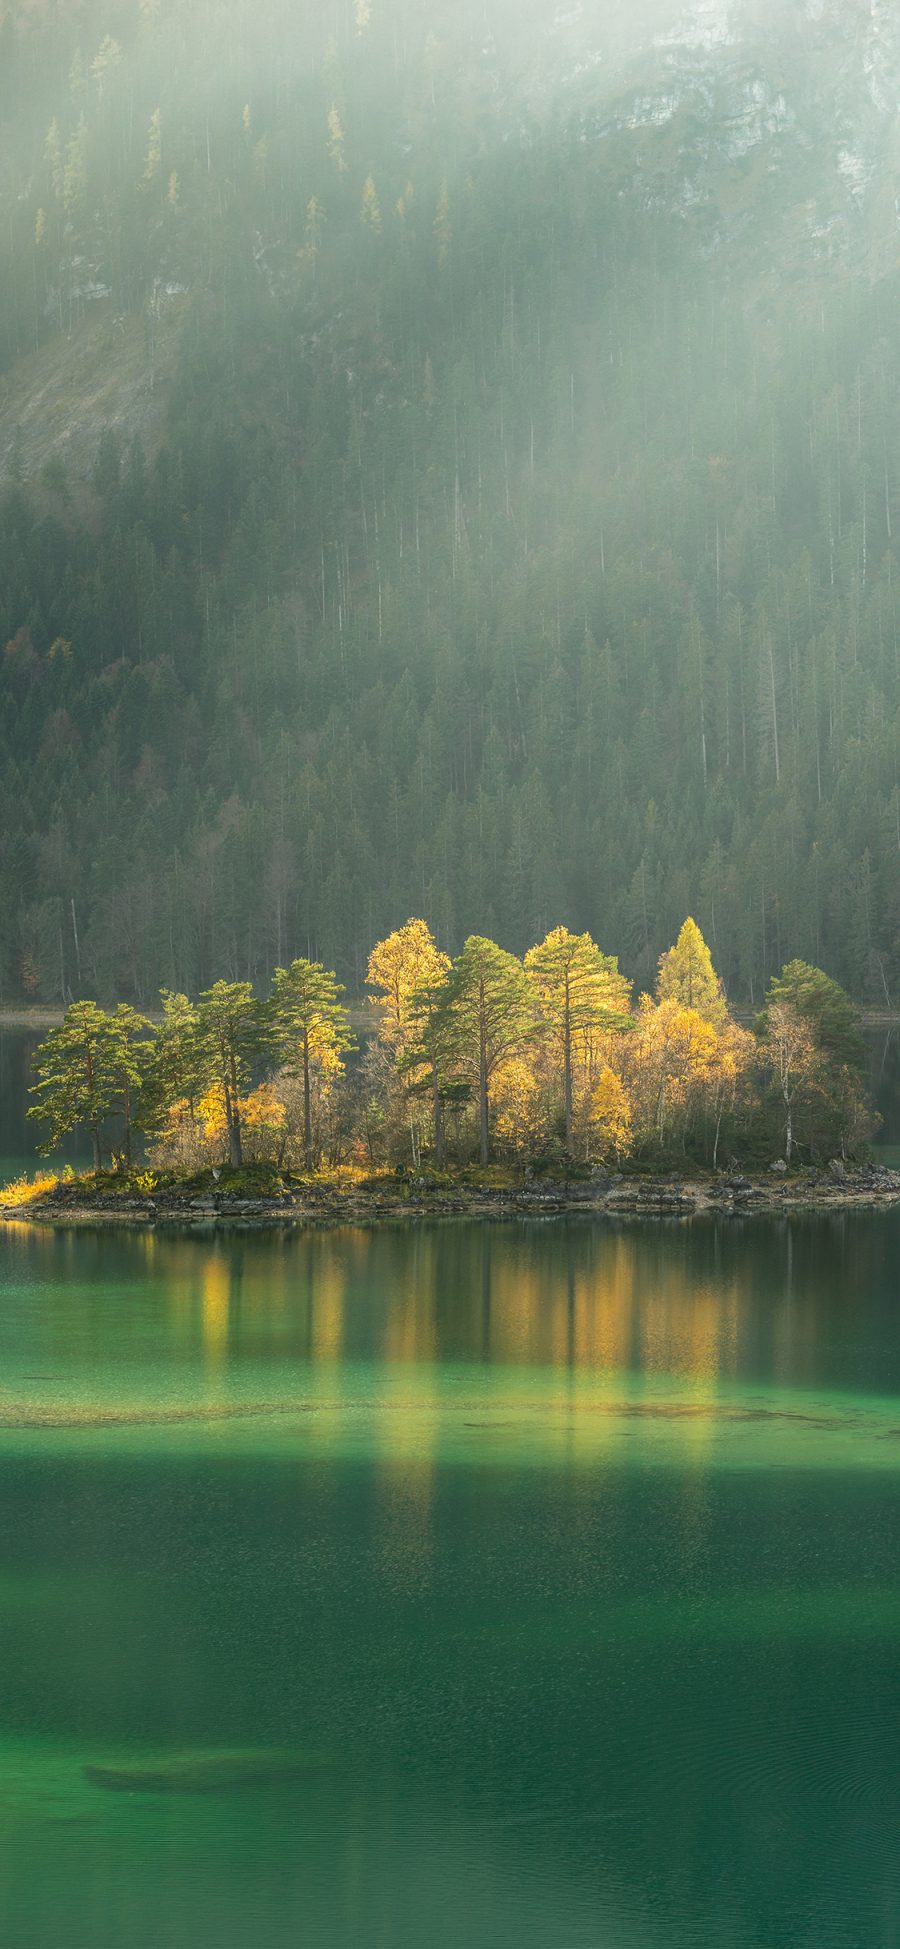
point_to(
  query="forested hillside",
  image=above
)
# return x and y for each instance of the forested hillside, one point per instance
(443, 474)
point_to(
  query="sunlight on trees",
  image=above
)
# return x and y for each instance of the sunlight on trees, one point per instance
(485, 1056)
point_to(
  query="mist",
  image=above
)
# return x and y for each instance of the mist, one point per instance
(450, 467)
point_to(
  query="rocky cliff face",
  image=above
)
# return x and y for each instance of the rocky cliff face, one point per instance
(778, 125)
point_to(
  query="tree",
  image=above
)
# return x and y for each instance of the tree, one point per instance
(180, 1068)
(810, 1031)
(370, 208)
(407, 970)
(670, 1061)
(826, 1008)
(311, 1030)
(687, 975)
(790, 1047)
(232, 1030)
(731, 1076)
(582, 995)
(132, 1058)
(610, 1116)
(78, 1067)
(486, 1012)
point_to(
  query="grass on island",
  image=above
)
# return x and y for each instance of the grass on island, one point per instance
(25, 1190)
(258, 1181)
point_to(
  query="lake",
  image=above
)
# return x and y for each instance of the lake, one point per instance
(551, 1566)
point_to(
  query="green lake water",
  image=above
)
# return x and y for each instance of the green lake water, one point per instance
(561, 1559)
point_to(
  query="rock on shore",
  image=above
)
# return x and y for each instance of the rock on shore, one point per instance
(836, 1187)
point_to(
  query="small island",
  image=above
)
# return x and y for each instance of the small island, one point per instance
(484, 1085)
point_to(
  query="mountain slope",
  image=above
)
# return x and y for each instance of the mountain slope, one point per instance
(497, 511)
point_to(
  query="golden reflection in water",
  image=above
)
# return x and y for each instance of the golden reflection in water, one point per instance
(329, 1300)
(215, 1310)
(407, 1426)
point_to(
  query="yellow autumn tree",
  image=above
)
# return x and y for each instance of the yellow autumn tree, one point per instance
(610, 1122)
(75, 174)
(336, 141)
(370, 209)
(194, 1135)
(405, 971)
(796, 1065)
(442, 226)
(154, 147)
(516, 1105)
(54, 157)
(671, 1060)
(731, 1078)
(106, 60)
(687, 975)
(312, 234)
(582, 997)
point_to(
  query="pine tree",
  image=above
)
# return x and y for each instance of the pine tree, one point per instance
(582, 995)
(79, 1073)
(311, 1030)
(687, 975)
(826, 1008)
(407, 970)
(132, 1058)
(487, 1012)
(180, 1070)
(232, 1030)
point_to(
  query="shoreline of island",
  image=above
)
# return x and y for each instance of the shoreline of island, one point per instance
(71, 1205)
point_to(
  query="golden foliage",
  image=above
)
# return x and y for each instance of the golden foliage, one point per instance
(442, 226)
(400, 967)
(514, 1094)
(336, 141)
(25, 1190)
(610, 1122)
(687, 975)
(370, 210)
(154, 147)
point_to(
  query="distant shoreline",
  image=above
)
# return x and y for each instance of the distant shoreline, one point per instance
(21, 1015)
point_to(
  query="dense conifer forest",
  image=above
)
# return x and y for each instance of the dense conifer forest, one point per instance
(415, 499)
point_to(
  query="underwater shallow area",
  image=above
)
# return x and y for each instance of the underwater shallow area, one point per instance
(524, 1584)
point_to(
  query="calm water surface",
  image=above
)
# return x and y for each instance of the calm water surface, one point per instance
(565, 1556)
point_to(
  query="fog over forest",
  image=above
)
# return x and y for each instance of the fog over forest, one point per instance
(449, 465)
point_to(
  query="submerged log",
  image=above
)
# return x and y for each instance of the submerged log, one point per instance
(204, 1772)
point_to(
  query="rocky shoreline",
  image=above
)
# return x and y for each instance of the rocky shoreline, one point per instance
(838, 1187)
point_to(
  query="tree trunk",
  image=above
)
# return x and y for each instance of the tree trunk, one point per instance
(567, 1064)
(438, 1119)
(789, 1134)
(95, 1145)
(483, 1084)
(233, 1119)
(307, 1104)
(127, 1110)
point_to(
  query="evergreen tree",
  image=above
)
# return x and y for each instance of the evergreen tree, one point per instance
(582, 995)
(232, 1030)
(406, 971)
(826, 1008)
(132, 1057)
(79, 1072)
(687, 976)
(311, 1030)
(179, 1070)
(486, 1013)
